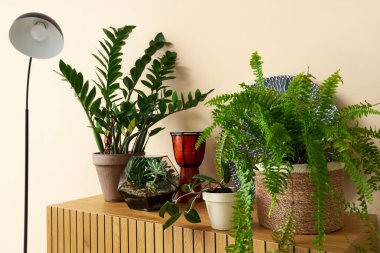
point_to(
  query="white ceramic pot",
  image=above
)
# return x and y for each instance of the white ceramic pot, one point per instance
(220, 209)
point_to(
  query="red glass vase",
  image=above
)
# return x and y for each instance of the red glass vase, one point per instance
(188, 158)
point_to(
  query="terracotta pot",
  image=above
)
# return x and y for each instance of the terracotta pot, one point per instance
(303, 199)
(109, 169)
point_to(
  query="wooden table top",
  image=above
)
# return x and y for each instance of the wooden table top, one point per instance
(340, 241)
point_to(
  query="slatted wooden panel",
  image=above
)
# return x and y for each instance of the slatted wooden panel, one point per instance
(168, 240)
(86, 233)
(220, 243)
(48, 230)
(149, 236)
(54, 228)
(101, 236)
(132, 226)
(124, 235)
(178, 239)
(188, 240)
(94, 233)
(74, 231)
(199, 241)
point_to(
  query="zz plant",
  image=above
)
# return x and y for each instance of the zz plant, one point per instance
(121, 114)
(297, 126)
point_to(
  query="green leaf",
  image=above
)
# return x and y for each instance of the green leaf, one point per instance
(159, 37)
(113, 77)
(162, 107)
(128, 82)
(198, 94)
(175, 99)
(171, 220)
(190, 203)
(162, 211)
(192, 216)
(62, 67)
(109, 35)
(131, 125)
(90, 97)
(226, 173)
(179, 105)
(156, 131)
(146, 83)
(151, 78)
(100, 60)
(171, 108)
(172, 208)
(95, 105)
(186, 188)
(98, 130)
(102, 72)
(168, 93)
(83, 92)
(105, 48)
(190, 97)
(206, 178)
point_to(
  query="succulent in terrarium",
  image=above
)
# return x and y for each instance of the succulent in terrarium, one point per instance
(148, 182)
(151, 173)
(158, 172)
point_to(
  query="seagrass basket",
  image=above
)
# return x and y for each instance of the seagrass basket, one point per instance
(303, 201)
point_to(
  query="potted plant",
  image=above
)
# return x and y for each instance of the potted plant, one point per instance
(270, 133)
(148, 182)
(218, 196)
(122, 114)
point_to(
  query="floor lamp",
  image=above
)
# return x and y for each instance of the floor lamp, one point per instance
(37, 36)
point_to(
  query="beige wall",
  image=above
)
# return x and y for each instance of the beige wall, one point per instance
(214, 40)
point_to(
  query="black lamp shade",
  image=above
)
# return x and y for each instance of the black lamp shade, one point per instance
(36, 35)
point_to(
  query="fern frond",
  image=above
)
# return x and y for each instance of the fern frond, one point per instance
(275, 180)
(205, 135)
(373, 237)
(220, 100)
(219, 155)
(320, 179)
(354, 112)
(325, 94)
(367, 132)
(284, 235)
(257, 67)
(352, 168)
(242, 219)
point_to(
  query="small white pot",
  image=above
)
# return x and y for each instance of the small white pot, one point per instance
(220, 209)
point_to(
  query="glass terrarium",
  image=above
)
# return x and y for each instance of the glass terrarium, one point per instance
(148, 182)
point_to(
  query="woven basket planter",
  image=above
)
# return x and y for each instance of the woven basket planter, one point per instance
(304, 203)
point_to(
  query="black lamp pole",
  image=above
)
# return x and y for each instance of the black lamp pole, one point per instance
(26, 160)
(37, 36)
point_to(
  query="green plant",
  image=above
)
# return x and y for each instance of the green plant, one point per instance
(150, 173)
(124, 114)
(202, 183)
(297, 126)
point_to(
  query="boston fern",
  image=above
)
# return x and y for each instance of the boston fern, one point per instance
(300, 125)
(124, 114)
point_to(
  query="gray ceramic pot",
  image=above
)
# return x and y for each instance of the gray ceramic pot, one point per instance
(109, 169)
